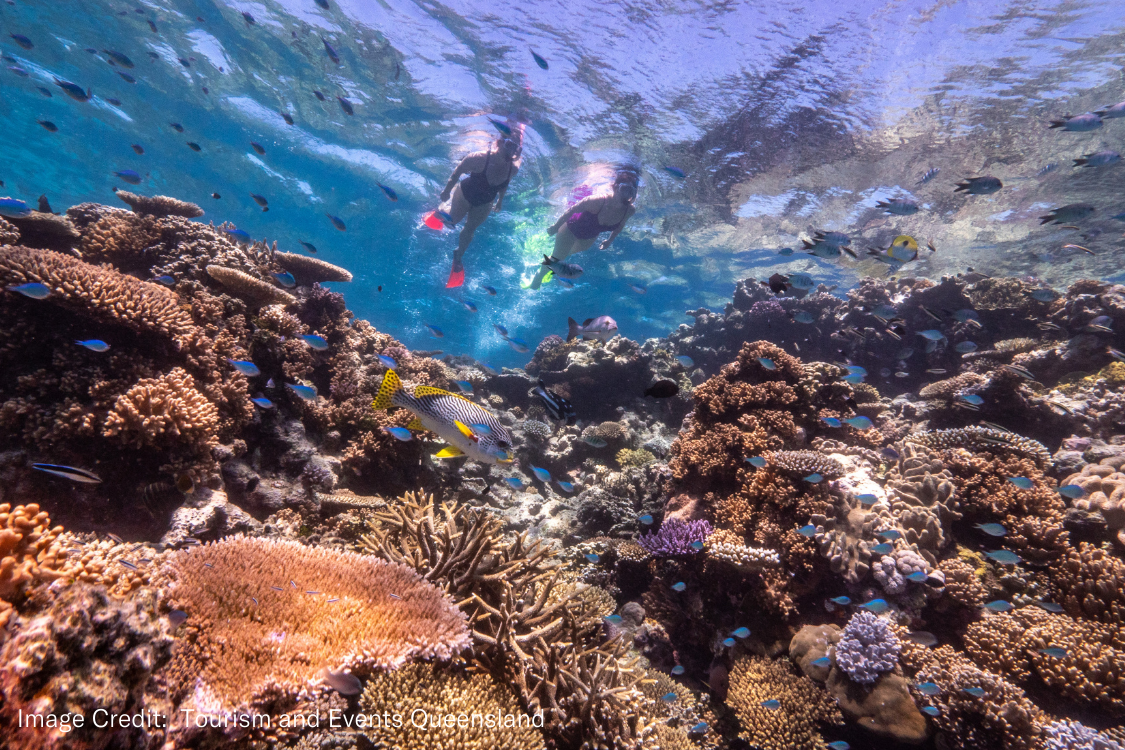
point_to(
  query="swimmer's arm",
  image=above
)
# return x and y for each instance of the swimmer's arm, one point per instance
(585, 204)
(500, 199)
(609, 240)
(462, 168)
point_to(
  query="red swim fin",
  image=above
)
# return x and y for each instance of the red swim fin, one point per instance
(432, 221)
(456, 278)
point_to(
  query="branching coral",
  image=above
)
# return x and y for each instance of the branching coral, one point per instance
(267, 616)
(159, 205)
(676, 537)
(308, 270)
(867, 648)
(164, 411)
(29, 552)
(1090, 582)
(101, 293)
(9, 234)
(793, 724)
(492, 718)
(726, 546)
(249, 289)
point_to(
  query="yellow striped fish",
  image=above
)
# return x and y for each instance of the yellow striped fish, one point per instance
(469, 429)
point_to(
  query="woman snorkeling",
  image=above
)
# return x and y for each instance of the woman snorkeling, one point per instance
(583, 222)
(489, 173)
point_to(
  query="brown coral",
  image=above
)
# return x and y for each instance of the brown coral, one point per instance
(1104, 485)
(308, 270)
(29, 552)
(270, 615)
(793, 724)
(120, 237)
(159, 205)
(253, 291)
(164, 411)
(1090, 582)
(9, 234)
(101, 293)
(946, 389)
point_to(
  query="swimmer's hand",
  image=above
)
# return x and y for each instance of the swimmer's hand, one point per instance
(498, 207)
(605, 244)
(444, 195)
(553, 229)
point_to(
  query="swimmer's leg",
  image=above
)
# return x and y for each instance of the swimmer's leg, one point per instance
(473, 219)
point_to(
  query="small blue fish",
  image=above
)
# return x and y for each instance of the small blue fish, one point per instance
(307, 392)
(767, 363)
(838, 745)
(971, 399)
(337, 222)
(918, 576)
(1049, 606)
(679, 586)
(262, 403)
(890, 534)
(387, 362)
(240, 236)
(468, 304)
(70, 472)
(823, 661)
(696, 545)
(976, 692)
(539, 60)
(852, 379)
(932, 335)
(813, 478)
(490, 290)
(564, 486)
(992, 529)
(999, 606)
(592, 557)
(860, 423)
(843, 601)
(808, 530)
(464, 385)
(741, 633)
(699, 728)
(675, 172)
(315, 342)
(890, 453)
(166, 280)
(729, 642)
(94, 345)
(286, 279)
(1072, 491)
(1022, 482)
(883, 549)
(668, 697)
(867, 499)
(501, 330)
(488, 368)
(772, 704)
(435, 331)
(931, 710)
(399, 433)
(678, 669)
(12, 208)
(308, 246)
(541, 474)
(519, 345)
(514, 482)
(685, 360)
(249, 369)
(831, 421)
(129, 176)
(613, 619)
(1003, 556)
(646, 519)
(804, 316)
(927, 688)
(965, 347)
(757, 462)
(1054, 652)
(392, 196)
(876, 606)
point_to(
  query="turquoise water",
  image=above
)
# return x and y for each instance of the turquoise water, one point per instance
(785, 118)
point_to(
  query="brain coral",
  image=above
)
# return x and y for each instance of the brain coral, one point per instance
(867, 648)
(269, 615)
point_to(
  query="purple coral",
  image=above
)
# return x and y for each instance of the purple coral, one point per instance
(1071, 735)
(676, 537)
(867, 648)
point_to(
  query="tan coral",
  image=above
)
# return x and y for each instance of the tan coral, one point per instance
(483, 715)
(100, 293)
(9, 233)
(159, 205)
(164, 411)
(946, 389)
(1104, 485)
(308, 270)
(29, 551)
(1090, 582)
(792, 725)
(249, 289)
(120, 237)
(270, 615)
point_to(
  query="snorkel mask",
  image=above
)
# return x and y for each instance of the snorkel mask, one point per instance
(511, 147)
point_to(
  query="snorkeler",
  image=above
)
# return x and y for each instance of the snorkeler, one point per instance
(473, 196)
(579, 226)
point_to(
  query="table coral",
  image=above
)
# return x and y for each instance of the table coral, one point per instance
(982, 438)
(308, 270)
(253, 291)
(159, 205)
(791, 726)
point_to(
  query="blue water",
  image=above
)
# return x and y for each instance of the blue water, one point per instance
(785, 117)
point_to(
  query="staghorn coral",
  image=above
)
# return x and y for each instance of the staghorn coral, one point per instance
(253, 291)
(30, 552)
(867, 648)
(804, 463)
(159, 205)
(791, 726)
(676, 537)
(982, 438)
(1090, 582)
(484, 705)
(308, 270)
(266, 616)
(163, 412)
(100, 293)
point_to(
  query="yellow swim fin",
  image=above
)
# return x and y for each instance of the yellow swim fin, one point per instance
(391, 385)
(449, 452)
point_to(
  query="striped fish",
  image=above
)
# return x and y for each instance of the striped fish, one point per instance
(449, 415)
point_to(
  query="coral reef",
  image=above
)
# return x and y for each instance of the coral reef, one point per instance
(676, 537)
(308, 270)
(794, 724)
(867, 648)
(254, 292)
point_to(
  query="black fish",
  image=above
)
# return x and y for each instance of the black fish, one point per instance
(22, 41)
(663, 389)
(258, 147)
(331, 52)
(345, 105)
(194, 146)
(152, 26)
(119, 58)
(261, 201)
(319, 95)
(287, 117)
(114, 102)
(248, 18)
(73, 90)
(398, 69)
(322, 3)
(45, 92)
(44, 205)
(777, 283)
(138, 148)
(979, 185)
(177, 127)
(49, 126)
(185, 63)
(216, 196)
(558, 407)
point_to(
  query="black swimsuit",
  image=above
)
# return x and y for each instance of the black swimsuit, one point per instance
(478, 190)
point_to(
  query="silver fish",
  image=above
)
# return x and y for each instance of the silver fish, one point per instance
(601, 328)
